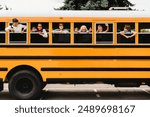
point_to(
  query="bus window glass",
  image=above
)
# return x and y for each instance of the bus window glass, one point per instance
(144, 33)
(104, 33)
(126, 33)
(61, 33)
(39, 33)
(2, 32)
(83, 33)
(17, 33)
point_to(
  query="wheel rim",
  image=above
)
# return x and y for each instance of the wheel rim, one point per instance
(24, 85)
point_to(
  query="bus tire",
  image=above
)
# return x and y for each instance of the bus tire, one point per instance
(44, 85)
(25, 85)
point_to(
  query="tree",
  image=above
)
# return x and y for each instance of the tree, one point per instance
(4, 7)
(1, 7)
(94, 4)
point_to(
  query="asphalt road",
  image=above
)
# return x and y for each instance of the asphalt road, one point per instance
(88, 92)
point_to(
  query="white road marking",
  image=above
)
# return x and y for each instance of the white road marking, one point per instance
(146, 91)
(98, 95)
(46, 90)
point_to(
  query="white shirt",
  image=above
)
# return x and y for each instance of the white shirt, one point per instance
(59, 31)
(129, 32)
(44, 33)
(17, 29)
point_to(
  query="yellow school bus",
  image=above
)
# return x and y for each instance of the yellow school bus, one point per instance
(89, 46)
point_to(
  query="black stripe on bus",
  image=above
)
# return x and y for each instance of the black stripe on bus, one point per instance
(3, 69)
(74, 46)
(75, 57)
(95, 69)
(94, 80)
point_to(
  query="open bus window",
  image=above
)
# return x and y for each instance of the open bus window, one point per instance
(104, 33)
(39, 33)
(17, 34)
(61, 33)
(126, 33)
(2, 32)
(144, 33)
(83, 33)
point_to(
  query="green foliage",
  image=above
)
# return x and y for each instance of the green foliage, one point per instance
(94, 4)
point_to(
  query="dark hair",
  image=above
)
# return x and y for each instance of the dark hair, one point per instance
(99, 25)
(15, 20)
(128, 27)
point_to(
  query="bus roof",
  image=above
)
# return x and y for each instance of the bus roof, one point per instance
(123, 14)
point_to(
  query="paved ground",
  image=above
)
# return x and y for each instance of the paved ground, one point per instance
(88, 92)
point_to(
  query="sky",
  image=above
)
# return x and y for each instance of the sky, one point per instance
(47, 5)
(32, 5)
(141, 4)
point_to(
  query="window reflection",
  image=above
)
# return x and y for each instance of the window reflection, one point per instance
(2, 32)
(104, 33)
(126, 33)
(83, 33)
(61, 32)
(144, 33)
(39, 33)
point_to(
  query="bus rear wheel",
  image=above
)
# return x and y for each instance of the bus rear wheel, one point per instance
(25, 85)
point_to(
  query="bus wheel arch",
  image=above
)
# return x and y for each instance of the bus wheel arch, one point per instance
(24, 82)
(22, 67)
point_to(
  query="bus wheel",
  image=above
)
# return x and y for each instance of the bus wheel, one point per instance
(25, 85)
(44, 85)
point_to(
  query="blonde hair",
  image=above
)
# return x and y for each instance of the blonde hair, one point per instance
(83, 27)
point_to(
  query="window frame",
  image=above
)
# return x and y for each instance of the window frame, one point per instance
(4, 32)
(95, 29)
(27, 32)
(30, 32)
(139, 33)
(79, 28)
(67, 33)
(125, 22)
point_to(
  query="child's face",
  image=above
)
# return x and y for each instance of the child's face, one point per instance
(76, 30)
(125, 29)
(83, 29)
(39, 27)
(15, 23)
(100, 28)
(61, 27)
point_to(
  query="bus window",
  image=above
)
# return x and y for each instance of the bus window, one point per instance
(2, 32)
(39, 33)
(61, 33)
(17, 33)
(83, 33)
(104, 33)
(144, 33)
(126, 33)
